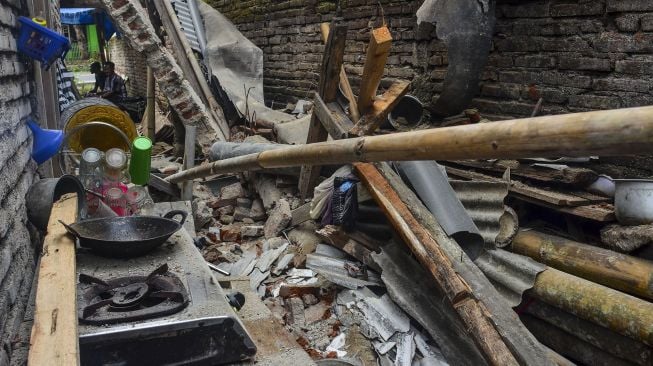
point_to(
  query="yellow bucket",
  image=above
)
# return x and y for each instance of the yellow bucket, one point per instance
(100, 137)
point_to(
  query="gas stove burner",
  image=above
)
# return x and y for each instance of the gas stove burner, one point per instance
(130, 298)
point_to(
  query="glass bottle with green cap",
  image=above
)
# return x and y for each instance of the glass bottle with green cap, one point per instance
(138, 198)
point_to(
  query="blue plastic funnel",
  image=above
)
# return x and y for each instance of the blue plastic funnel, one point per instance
(46, 143)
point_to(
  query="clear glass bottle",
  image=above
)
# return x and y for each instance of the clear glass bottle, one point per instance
(90, 174)
(116, 200)
(115, 175)
(139, 201)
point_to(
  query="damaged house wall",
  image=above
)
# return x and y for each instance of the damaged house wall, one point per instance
(576, 55)
(17, 172)
(131, 64)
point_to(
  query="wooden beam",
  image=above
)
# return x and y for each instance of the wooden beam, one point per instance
(189, 161)
(377, 55)
(334, 52)
(435, 261)
(344, 80)
(164, 186)
(54, 333)
(334, 120)
(380, 109)
(149, 127)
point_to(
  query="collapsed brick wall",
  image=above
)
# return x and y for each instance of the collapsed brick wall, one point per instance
(17, 172)
(575, 54)
(130, 64)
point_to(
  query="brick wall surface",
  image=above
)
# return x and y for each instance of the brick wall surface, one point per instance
(130, 64)
(17, 172)
(575, 54)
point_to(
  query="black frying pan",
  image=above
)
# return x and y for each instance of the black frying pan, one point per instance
(123, 237)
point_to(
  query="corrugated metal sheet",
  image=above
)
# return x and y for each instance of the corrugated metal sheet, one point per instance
(511, 274)
(483, 201)
(191, 23)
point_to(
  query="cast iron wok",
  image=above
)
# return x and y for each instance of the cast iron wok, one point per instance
(123, 237)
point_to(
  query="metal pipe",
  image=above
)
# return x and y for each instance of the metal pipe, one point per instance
(609, 268)
(613, 132)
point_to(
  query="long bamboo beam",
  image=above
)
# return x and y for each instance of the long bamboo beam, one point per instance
(619, 271)
(622, 313)
(612, 132)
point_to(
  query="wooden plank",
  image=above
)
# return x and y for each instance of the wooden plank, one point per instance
(428, 252)
(164, 186)
(344, 80)
(334, 120)
(331, 63)
(335, 236)
(54, 333)
(572, 176)
(381, 107)
(522, 190)
(561, 202)
(377, 56)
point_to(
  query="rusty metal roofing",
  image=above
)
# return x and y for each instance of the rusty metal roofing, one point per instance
(483, 201)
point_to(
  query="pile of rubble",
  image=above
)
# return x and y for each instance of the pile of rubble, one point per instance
(334, 305)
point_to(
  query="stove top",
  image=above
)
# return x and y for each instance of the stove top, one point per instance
(130, 298)
(167, 302)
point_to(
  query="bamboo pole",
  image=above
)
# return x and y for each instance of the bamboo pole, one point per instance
(600, 337)
(612, 132)
(624, 314)
(609, 268)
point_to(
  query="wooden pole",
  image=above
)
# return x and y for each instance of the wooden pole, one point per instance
(189, 161)
(613, 132)
(327, 89)
(54, 333)
(429, 254)
(149, 129)
(609, 268)
(344, 80)
(377, 56)
(99, 29)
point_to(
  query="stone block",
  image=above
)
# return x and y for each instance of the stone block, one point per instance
(628, 5)
(230, 233)
(279, 218)
(594, 102)
(584, 63)
(634, 67)
(243, 202)
(241, 213)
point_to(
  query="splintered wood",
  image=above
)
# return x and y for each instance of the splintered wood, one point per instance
(54, 333)
(473, 313)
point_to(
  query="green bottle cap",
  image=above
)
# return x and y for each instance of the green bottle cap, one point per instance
(139, 166)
